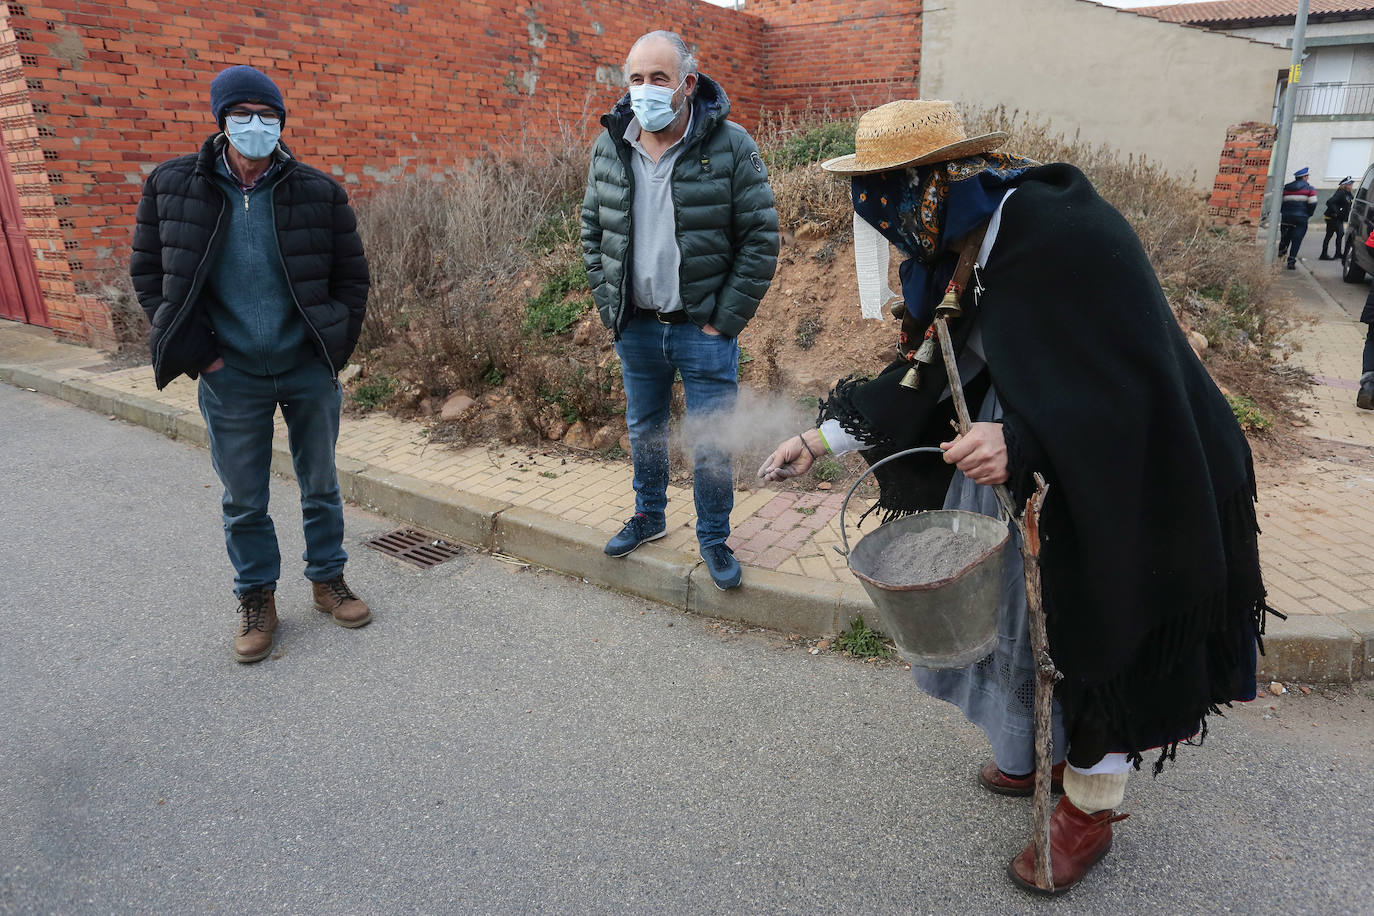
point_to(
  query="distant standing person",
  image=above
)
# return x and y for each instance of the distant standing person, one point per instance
(1299, 203)
(1337, 210)
(249, 266)
(680, 240)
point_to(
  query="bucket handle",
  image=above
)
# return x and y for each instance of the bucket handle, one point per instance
(871, 468)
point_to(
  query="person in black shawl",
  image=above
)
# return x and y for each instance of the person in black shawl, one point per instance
(1077, 370)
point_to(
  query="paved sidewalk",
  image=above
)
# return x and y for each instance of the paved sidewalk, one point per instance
(1317, 514)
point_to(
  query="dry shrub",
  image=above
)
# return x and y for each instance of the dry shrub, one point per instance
(441, 248)
(571, 385)
(131, 329)
(794, 144)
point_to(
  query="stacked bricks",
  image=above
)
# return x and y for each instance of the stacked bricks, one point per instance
(841, 56)
(96, 94)
(1238, 192)
(25, 135)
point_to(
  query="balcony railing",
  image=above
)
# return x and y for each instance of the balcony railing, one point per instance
(1335, 99)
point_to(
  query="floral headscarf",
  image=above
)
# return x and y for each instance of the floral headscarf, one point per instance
(921, 210)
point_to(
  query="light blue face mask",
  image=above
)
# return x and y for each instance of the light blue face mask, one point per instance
(653, 105)
(255, 140)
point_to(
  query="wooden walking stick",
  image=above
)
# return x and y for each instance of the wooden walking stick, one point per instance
(1029, 527)
(1045, 676)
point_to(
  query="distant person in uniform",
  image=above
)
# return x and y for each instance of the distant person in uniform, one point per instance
(1299, 203)
(1337, 210)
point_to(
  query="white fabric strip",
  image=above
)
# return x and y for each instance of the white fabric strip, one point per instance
(1112, 764)
(871, 258)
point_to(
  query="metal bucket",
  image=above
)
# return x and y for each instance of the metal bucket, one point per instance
(948, 623)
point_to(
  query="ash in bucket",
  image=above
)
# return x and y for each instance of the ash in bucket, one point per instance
(925, 556)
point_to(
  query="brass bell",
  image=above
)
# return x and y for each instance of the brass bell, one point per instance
(924, 356)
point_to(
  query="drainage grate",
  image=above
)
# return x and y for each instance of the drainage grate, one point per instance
(418, 548)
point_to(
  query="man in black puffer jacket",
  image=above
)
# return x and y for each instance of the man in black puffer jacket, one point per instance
(249, 266)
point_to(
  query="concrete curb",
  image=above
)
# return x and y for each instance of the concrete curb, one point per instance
(1305, 648)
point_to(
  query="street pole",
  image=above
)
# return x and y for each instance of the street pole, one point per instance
(1278, 165)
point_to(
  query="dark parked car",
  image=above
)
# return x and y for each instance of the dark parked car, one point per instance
(1359, 260)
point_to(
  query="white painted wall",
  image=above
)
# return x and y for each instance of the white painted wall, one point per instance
(1310, 144)
(1143, 86)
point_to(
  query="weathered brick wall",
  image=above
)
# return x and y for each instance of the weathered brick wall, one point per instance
(1238, 192)
(97, 93)
(38, 178)
(840, 55)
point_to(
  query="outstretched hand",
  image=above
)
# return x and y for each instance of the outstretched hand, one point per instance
(981, 454)
(793, 457)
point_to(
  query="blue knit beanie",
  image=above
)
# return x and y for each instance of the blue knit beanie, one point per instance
(1300, 173)
(243, 84)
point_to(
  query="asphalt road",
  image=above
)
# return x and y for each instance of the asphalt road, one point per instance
(506, 740)
(1350, 296)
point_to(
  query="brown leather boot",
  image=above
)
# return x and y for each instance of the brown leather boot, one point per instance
(994, 780)
(257, 625)
(336, 598)
(1078, 841)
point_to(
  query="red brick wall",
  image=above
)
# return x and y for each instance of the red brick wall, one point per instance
(26, 141)
(1238, 192)
(841, 55)
(97, 93)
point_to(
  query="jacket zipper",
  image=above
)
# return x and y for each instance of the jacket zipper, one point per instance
(626, 155)
(271, 202)
(196, 281)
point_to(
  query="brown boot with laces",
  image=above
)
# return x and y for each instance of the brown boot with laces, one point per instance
(257, 625)
(336, 598)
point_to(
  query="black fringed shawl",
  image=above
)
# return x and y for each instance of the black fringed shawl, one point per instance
(1151, 575)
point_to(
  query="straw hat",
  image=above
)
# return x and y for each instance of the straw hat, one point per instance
(910, 132)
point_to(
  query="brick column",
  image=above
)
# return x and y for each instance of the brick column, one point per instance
(1238, 192)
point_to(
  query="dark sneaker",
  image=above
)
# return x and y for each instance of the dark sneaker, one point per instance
(1365, 399)
(1292, 265)
(722, 565)
(638, 530)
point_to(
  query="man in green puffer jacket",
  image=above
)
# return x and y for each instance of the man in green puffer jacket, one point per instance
(680, 240)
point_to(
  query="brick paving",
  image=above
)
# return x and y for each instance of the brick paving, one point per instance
(1317, 513)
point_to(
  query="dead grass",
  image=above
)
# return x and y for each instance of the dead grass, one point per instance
(130, 323)
(445, 250)
(809, 201)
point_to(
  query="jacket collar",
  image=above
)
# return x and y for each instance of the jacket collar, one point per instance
(213, 148)
(710, 107)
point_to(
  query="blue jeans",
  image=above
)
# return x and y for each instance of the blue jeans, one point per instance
(238, 410)
(1290, 237)
(650, 353)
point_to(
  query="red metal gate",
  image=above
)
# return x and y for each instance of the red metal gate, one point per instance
(20, 297)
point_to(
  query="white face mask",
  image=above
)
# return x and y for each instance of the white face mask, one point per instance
(255, 140)
(653, 105)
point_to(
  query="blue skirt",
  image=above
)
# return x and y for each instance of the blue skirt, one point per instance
(997, 693)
